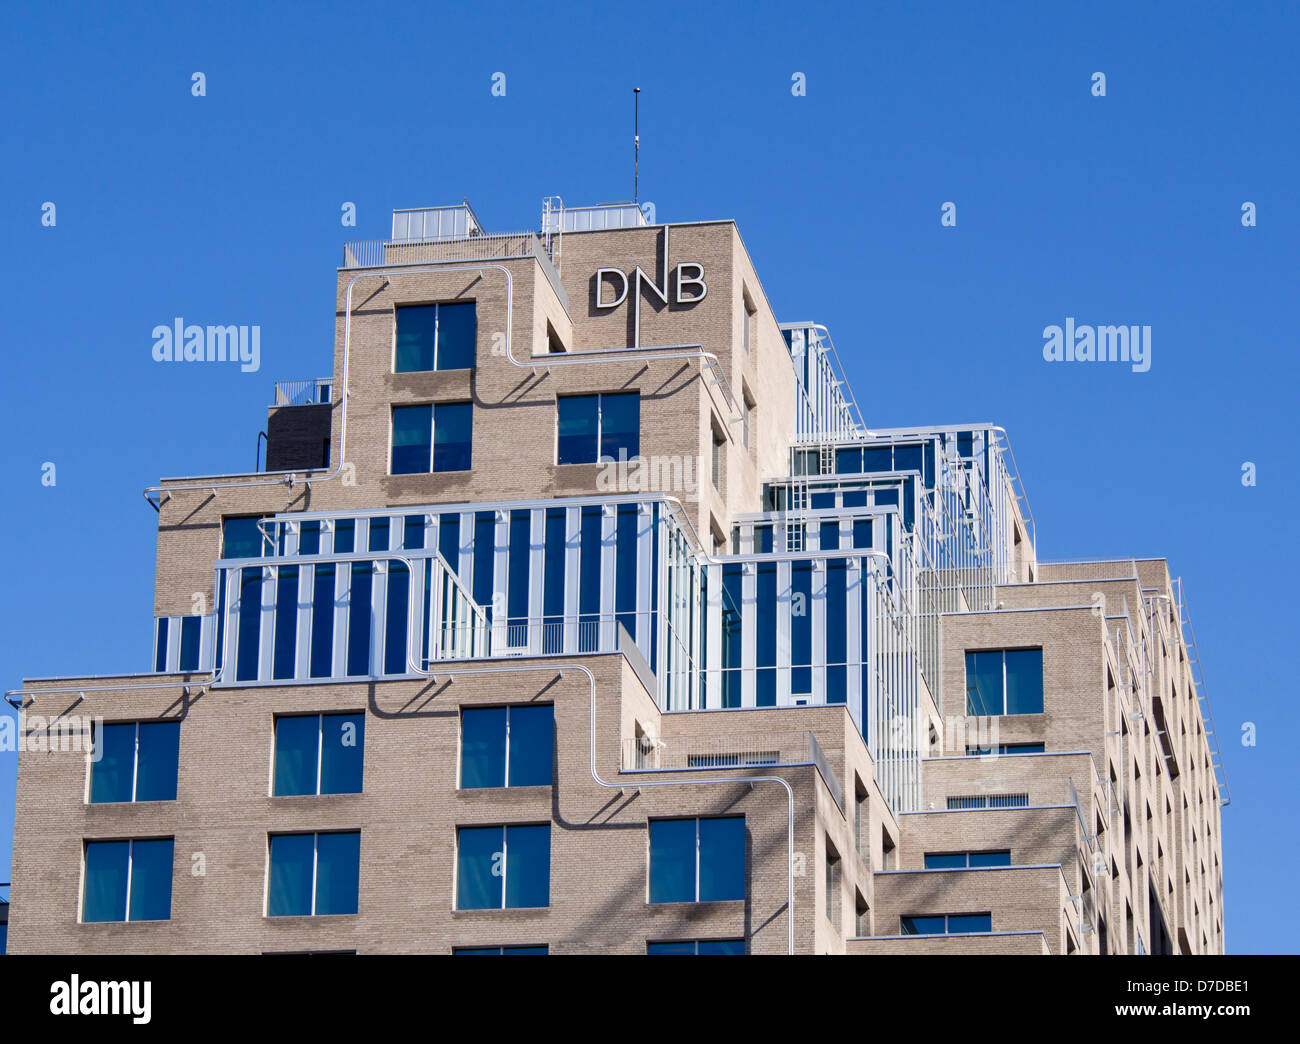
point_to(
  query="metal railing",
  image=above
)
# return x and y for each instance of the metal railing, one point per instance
(730, 750)
(384, 253)
(303, 393)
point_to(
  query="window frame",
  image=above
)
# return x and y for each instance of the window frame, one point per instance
(96, 734)
(697, 820)
(437, 339)
(432, 407)
(320, 752)
(600, 398)
(507, 707)
(130, 867)
(504, 829)
(315, 835)
(1004, 713)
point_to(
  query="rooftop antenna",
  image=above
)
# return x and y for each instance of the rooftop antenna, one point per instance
(636, 144)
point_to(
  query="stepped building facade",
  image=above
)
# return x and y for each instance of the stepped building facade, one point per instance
(579, 611)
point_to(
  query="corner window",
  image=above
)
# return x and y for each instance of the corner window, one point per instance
(313, 874)
(128, 881)
(432, 438)
(435, 337)
(137, 761)
(1004, 681)
(947, 924)
(318, 754)
(697, 860)
(503, 867)
(506, 746)
(594, 428)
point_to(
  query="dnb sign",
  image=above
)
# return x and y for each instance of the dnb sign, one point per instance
(688, 287)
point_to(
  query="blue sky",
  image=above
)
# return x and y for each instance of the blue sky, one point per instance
(1117, 210)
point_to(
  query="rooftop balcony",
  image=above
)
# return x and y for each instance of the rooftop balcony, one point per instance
(304, 393)
(725, 750)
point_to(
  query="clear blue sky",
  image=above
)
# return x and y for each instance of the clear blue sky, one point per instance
(1122, 209)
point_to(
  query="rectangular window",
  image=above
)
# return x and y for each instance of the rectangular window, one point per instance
(593, 428)
(947, 924)
(322, 622)
(135, 761)
(250, 622)
(698, 947)
(240, 538)
(432, 438)
(313, 874)
(966, 860)
(128, 881)
(716, 459)
(191, 631)
(318, 754)
(435, 337)
(286, 622)
(359, 618)
(1004, 681)
(503, 867)
(499, 951)
(399, 583)
(506, 746)
(697, 860)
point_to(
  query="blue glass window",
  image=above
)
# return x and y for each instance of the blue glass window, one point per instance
(359, 619)
(589, 577)
(377, 533)
(136, 761)
(111, 865)
(413, 532)
(507, 746)
(412, 439)
(697, 860)
(517, 576)
(314, 874)
(435, 337)
(250, 622)
(498, 951)
(700, 947)
(191, 631)
(578, 440)
(452, 436)
(553, 572)
(732, 635)
(286, 623)
(1004, 681)
(319, 754)
(240, 538)
(309, 538)
(598, 427)
(503, 867)
(395, 622)
(949, 924)
(322, 622)
(160, 653)
(449, 539)
(765, 637)
(837, 630)
(625, 567)
(345, 536)
(801, 628)
(966, 860)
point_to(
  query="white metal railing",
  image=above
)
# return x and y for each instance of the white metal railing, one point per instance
(383, 253)
(726, 750)
(303, 393)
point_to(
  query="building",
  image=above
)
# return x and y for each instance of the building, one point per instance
(579, 611)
